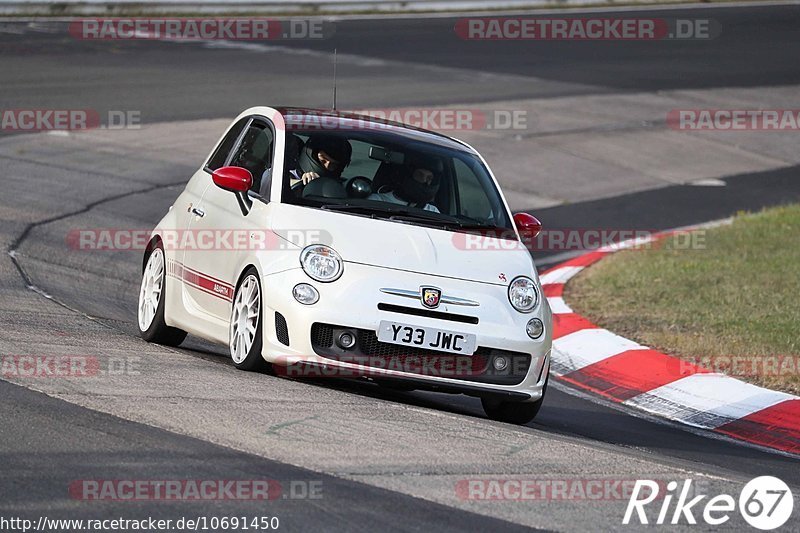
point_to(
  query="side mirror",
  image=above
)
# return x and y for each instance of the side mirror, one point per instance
(527, 225)
(234, 179)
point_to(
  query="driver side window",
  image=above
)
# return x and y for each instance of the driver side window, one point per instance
(222, 152)
(254, 153)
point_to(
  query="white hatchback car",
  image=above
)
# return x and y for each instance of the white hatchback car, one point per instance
(325, 244)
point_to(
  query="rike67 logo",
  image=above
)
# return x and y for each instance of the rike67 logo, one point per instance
(765, 503)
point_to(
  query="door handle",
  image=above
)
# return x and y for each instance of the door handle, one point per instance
(198, 212)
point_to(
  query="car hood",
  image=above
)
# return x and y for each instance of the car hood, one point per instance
(403, 246)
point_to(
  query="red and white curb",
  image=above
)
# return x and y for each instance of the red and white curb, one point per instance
(595, 360)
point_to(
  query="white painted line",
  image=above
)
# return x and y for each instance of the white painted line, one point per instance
(588, 346)
(630, 243)
(560, 275)
(706, 225)
(707, 400)
(558, 305)
(709, 182)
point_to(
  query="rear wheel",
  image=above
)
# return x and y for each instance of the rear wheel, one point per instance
(150, 315)
(513, 412)
(246, 341)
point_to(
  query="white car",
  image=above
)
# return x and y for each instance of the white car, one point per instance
(324, 244)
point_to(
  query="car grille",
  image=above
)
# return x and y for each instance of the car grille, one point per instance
(430, 314)
(369, 351)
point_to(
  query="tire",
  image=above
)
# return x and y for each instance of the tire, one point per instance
(245, 340)
(150, 311)
(513, 412)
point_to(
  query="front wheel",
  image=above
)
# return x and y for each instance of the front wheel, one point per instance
(150, 315)
(245, 340)
(513, 412)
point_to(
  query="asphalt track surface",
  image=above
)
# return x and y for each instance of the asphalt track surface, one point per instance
(756, 47)
(90, 444)
(47, 442)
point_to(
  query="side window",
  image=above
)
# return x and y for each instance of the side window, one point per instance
(224, 149)
(474, 200)
(255, 154)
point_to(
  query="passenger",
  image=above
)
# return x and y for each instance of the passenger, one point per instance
(417, 190)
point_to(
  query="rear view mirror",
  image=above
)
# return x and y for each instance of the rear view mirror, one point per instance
(387, 156)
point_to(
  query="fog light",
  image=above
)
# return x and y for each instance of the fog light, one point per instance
(500, 363)
(305, 294)
(346, 340)
(535, 328)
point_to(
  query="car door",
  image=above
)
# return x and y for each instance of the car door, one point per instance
(222, 229)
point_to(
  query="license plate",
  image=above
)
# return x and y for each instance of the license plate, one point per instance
(427, 338)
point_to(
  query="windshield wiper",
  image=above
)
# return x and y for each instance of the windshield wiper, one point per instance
(342, 207)
(426, 215)
(428, 221)
(394, 213)
(449, 222)
(363, 210)
(405, 215)
(487, 227)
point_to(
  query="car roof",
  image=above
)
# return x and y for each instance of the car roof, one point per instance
(308, 120)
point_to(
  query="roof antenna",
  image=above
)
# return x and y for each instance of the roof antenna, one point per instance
(334, 79)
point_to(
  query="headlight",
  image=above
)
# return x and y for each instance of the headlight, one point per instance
(321, 263)
(522, 294)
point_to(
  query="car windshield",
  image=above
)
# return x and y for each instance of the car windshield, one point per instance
(416, 178)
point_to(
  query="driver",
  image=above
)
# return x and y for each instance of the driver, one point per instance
(417, 190)
(322, 156)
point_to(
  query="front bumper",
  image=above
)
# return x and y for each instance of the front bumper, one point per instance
(352, 302)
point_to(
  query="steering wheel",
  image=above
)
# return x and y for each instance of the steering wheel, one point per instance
(324, 187)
